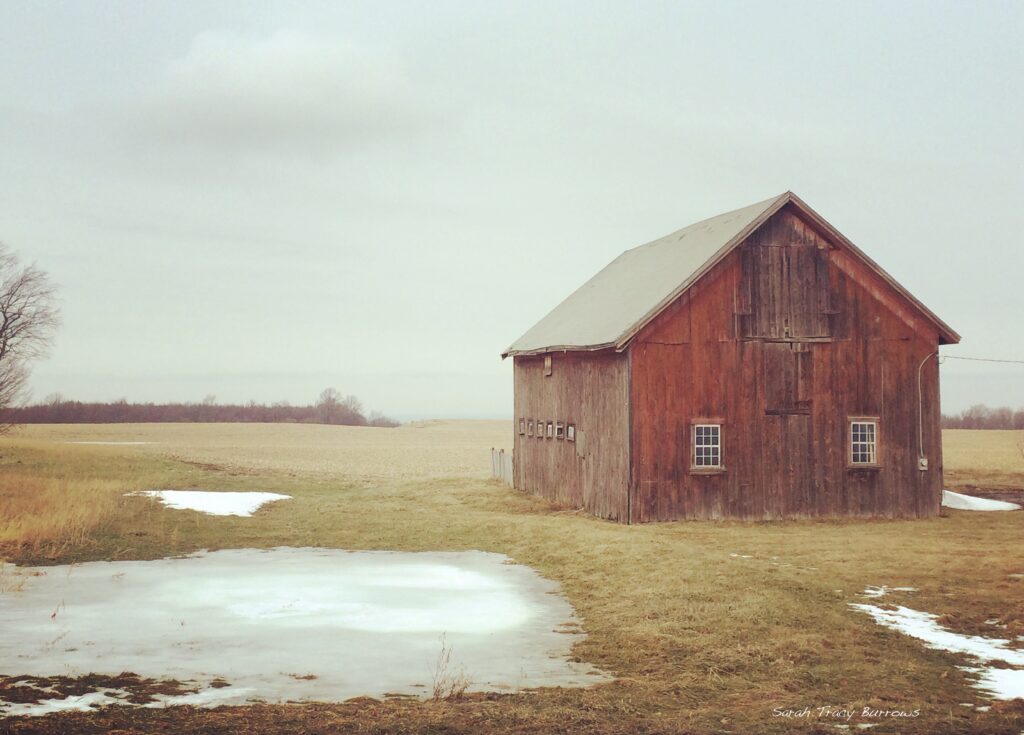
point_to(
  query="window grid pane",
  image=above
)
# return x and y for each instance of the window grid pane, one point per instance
(707, 445)
(863, 442)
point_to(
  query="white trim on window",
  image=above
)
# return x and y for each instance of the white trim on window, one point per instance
(707, 447)
(863, 442)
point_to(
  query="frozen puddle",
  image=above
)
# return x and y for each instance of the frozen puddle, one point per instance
(291, 624)
(214, 503)
(958, 501)
(1000, 682)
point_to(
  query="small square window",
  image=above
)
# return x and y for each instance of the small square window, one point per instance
(551, 430)
(864, 442)
(559, 430)
(522, 426)
(570, 432)
(529, 427)
(707, 446)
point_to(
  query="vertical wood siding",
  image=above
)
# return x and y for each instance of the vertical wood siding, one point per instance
(589, 390)
(784, 341)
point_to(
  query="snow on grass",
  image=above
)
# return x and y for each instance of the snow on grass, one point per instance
(80, 703)
(215, 503)
(104, 696)
(958, 501)
(1002, 683)
(350, 623)
(871, 591)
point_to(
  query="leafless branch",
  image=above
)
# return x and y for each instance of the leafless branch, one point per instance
(28, 319)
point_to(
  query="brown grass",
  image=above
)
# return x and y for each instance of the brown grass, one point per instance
(58, 499)
(47, 514)
(700, 638)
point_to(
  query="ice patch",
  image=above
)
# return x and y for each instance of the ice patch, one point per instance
(957, 501)
(214, 503)
(1001, 683)
(350, 623)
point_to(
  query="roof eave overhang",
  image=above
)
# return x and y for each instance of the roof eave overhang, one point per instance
(556, 348)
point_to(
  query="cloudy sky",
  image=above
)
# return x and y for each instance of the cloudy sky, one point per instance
(259, 200)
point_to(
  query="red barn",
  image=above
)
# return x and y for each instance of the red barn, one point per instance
(755, 365)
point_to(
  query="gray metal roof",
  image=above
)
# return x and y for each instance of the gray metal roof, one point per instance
(610, 308)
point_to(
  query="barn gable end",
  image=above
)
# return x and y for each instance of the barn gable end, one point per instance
(782, 343)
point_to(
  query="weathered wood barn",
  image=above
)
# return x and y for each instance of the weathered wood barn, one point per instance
(755, 365)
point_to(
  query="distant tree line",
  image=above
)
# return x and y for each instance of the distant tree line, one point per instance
(330, 408)
(983, 417)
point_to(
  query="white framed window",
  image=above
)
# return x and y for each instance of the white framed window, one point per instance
(540, 429)
(547, 365)
(551, 430)
(529, 427)
(864, 441)
(522, 426)
(559, 430)
(707, 446)
(570, 432)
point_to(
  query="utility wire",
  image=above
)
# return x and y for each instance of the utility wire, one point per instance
(981, 359)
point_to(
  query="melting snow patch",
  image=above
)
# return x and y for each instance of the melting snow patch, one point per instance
(1001, 683)
(214, 503)
(969, 502)
(80, 703)
(871, 591)
(353, 623)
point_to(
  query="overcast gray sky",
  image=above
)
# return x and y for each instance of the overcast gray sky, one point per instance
(259, 200)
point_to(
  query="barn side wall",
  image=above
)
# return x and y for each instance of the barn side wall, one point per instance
(782, 343)
(589, 391)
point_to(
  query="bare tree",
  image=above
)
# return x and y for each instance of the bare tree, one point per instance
(28, 319)
(332, 408)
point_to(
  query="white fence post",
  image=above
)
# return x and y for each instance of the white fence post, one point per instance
(501, 466)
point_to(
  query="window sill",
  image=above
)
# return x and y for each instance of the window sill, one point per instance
(868, 467)
(707, 470)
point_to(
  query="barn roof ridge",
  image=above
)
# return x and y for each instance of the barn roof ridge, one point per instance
(610, 308)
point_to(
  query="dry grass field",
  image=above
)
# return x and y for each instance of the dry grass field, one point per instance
(984, 459)
(411, 451)
(707, 627)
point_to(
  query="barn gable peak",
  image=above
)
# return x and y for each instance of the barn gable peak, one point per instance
(612, 307)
